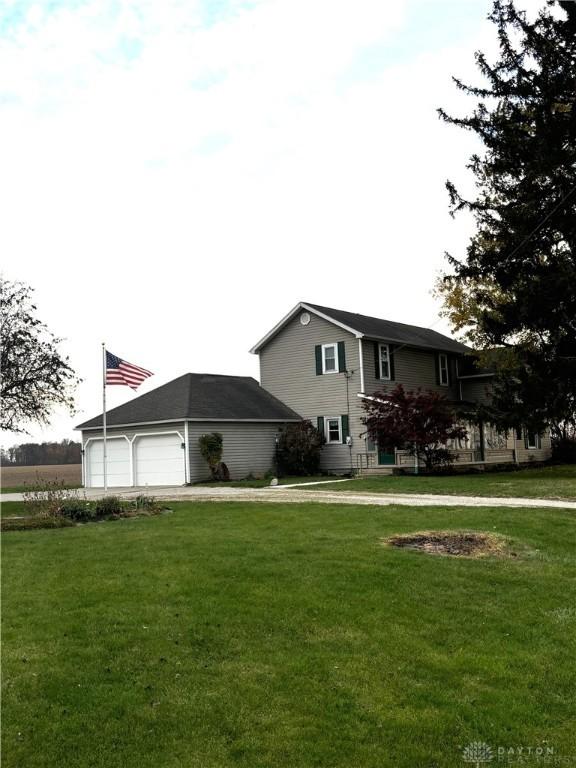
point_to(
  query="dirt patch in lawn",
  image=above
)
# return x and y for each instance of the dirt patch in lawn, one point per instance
(454, 543)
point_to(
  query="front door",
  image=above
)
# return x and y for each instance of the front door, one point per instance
(386, 454)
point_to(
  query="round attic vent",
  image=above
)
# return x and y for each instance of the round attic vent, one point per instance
(304, 318)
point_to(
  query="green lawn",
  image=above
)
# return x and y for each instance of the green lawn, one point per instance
(13, 509)
(269, 636)
(557, 482)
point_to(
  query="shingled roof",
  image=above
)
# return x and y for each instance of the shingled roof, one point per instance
(375, 328)
(200, 397)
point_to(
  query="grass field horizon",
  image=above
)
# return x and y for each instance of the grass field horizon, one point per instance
(21, 479)
(260, 636)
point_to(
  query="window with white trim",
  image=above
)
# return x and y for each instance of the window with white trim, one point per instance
(333, 429)
(384, 361)
(443, 374)
(532, 439)
(329, 358)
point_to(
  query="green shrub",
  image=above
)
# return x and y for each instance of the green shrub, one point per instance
(77, 510)
(299, 447)
(109, 505)
(45, 497)
(147, 503)
(211, 450)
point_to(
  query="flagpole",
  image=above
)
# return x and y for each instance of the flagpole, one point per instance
(104, 412)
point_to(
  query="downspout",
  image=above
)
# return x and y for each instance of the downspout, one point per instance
(187, 455)
(361, 359)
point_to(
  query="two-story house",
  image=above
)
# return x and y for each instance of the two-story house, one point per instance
(322, 362)
(317, 363)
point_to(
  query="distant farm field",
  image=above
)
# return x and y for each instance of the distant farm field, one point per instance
(17, 478)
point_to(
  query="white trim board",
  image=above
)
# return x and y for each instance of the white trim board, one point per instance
(301, 305)
(183, 421)
(358, 334)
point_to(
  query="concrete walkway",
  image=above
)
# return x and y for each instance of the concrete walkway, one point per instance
(291, 494)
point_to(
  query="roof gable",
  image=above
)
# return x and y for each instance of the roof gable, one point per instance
(363, 326)
(202, 397)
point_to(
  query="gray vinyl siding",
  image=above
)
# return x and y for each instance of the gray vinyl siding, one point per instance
(247, 448)
(528, 455)
(413, 368)
(288, 371)
(477, 390)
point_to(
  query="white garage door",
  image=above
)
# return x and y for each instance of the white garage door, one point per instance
(117, 463)
(159, 460)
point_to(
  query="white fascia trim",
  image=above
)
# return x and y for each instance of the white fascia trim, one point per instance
(301, 305)
(353, 331)
(108, 437)
(155, 434)
(362, 396)
(127, 426)
(182, 421)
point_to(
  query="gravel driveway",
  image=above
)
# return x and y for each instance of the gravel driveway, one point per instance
(282, 495)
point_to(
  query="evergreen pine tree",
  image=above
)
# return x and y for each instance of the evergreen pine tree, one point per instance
(516, 289)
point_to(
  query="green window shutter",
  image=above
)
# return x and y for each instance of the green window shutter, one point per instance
(341, 357)
(318, 351)
(525, 438)
(377, 359)
(320, 425)
(391, 363)
(437, 368)
(345, 427)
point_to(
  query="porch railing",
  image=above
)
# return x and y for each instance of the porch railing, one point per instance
(461, 456)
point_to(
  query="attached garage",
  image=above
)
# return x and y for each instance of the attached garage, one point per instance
(153, 440)
(159, 460)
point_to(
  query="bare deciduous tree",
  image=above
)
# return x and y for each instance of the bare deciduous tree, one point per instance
(35, 377)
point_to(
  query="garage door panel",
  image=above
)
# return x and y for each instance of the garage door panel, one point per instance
(117, 463)
(159, 460)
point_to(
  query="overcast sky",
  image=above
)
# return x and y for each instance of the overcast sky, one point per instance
(175, 175)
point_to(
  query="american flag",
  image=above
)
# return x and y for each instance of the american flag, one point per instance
(120, 372)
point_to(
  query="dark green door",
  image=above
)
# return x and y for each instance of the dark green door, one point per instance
(386, 455)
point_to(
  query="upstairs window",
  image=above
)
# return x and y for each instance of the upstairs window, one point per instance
(329, 358)
(443, 374)
(384, 361)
